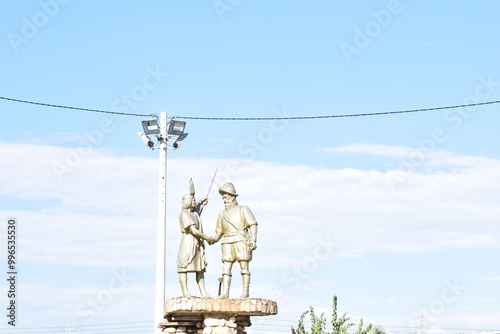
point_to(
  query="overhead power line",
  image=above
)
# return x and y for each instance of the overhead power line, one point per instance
(335, 116)
(81, 328)
(260, 118)
(75, 108)
(270, 325)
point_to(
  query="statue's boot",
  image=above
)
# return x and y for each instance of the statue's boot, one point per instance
(226, 282)
(246, 285)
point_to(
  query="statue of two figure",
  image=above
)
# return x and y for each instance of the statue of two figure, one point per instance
(237, 227)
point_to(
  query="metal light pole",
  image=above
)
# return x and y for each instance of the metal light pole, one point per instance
(161, 243)
(159, 130)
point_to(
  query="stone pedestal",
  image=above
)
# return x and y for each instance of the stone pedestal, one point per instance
(214, 316)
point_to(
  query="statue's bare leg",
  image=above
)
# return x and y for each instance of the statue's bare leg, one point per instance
(200, 279)
(184, 286)
(245, 276)
(226, 279)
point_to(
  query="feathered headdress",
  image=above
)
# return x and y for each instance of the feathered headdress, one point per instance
(191, 191)
(191, 187)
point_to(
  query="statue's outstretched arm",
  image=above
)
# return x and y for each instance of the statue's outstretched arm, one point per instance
(197, 233)
(217, 236)
(200, 205)
(218, 229)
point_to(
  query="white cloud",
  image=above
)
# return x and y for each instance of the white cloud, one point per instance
(83, 239)
(372, 149)
(412, 157)
(469, 321)
(105, 208)
(371, 301)
(86, 305)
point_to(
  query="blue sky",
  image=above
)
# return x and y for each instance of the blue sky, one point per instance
(397, 215)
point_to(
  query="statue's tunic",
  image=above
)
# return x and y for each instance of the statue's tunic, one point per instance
(191, 256)
(234, 224)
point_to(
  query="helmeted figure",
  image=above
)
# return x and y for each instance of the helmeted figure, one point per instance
(191, 255)
(237, 227)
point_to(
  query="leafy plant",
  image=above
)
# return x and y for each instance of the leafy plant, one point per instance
(340, 325)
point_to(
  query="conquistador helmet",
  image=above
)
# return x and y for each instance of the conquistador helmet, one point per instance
(228, 188)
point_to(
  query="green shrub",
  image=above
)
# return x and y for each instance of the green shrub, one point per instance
(340, 325)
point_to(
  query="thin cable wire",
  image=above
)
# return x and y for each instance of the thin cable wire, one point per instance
(96, 330)
(282, 323)
(259, 118)
(257, 328)
(334, 116)
(75, 108)
(87, 327)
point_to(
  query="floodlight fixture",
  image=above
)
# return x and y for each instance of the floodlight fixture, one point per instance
(179, 141)
(151, 127)
(176, 128)
(146, 140)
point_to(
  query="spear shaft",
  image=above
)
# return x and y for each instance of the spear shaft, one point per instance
(200, 205)
(213, 178)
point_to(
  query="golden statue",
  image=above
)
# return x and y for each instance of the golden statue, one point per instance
(191, 256)
(238, 227)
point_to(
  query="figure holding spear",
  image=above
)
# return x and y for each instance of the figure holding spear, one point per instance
(191, 255)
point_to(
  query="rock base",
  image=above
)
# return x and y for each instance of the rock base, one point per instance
(214, 316)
